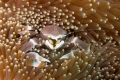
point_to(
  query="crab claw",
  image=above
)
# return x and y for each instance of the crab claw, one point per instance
(34, 59)
(79, 43)
(29, 45)
(67, 56)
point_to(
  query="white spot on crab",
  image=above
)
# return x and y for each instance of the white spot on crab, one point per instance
(47, 43)
(57, 46)
(56, 37)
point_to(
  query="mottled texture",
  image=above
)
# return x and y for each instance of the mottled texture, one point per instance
(96, 22)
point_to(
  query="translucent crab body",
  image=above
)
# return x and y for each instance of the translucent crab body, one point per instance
(54, 38)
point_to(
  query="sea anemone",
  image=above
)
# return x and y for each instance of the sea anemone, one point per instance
(95, 22)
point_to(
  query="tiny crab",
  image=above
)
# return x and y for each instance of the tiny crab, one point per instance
(54, 38)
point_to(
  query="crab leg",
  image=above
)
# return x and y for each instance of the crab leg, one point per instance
(29, 45)
(34, 59)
